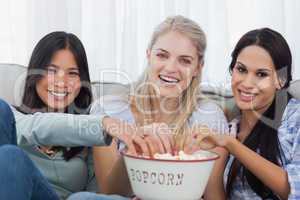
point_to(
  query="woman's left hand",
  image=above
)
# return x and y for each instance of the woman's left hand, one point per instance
(206, 139)
(211, 141)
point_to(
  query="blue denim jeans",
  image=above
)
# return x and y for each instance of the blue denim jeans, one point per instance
(19, 177)
(93, 196)
(7, 125)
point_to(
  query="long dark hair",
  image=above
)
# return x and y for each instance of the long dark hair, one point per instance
(263, 138)
(40, 59)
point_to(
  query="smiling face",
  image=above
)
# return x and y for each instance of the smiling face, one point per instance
(61, 83)
(254, 79)
(173, 62)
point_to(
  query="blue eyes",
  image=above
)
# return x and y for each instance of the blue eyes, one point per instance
(161, 55)
(186, 61)
(183, 61)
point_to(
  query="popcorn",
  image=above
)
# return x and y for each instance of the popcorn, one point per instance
(181, 156)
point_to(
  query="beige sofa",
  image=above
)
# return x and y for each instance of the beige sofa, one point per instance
(12, 78)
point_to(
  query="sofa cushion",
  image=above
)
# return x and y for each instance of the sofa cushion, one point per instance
(109, 88)
(12, 78)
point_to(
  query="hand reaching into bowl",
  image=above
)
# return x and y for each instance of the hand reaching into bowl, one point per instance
(158, 137)
(206, 139)
(146, 140)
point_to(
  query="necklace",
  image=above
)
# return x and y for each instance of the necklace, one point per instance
(49, 151)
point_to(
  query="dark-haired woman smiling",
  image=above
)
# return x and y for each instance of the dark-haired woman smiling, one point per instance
(57, 82)
(265, 161)
(52, 128)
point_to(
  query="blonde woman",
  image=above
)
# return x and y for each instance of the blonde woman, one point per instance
(166, 95)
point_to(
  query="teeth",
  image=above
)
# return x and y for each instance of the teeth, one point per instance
(58, 94)
(168, 79)
(247, 94)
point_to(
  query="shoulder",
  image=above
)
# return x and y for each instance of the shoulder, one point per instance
(291, 116)
(289, 131)
(292, 110)
(111, 105)
(210, 114)
(3, 103)
(4, 107)
(208, 107)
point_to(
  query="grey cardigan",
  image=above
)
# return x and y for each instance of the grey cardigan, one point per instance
(57, 129)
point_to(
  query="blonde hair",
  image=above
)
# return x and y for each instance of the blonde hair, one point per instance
(143, 89)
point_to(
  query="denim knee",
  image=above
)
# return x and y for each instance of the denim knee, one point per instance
(82, 195)
(6, 113)
(13, 156)
(94, 196)
(7, 125)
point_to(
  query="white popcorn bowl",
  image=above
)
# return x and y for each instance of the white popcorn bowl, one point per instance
(161, 179)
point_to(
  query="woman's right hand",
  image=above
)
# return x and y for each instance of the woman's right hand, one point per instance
(146, 140)
(159, 138)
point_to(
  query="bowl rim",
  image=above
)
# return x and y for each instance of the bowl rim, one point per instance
(215, 157)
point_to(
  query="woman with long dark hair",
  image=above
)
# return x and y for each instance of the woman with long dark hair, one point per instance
(264, 160)
(58, 81)
(52, 126)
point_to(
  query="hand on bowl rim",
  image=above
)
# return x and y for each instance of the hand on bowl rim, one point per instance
(207, 139)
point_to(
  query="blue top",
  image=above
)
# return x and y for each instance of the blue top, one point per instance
(289, 137)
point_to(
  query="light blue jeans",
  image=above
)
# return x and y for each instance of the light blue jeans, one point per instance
(93, 196)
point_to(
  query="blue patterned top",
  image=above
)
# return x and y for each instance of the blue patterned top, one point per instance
(289, 137)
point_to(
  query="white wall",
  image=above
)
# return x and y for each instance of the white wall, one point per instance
(116, 32)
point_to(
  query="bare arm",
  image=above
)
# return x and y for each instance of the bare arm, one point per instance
(110, 171)
(109, 165)
(215, 186)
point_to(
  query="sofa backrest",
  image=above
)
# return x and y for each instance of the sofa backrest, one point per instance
(109, 88)
(12, 77)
